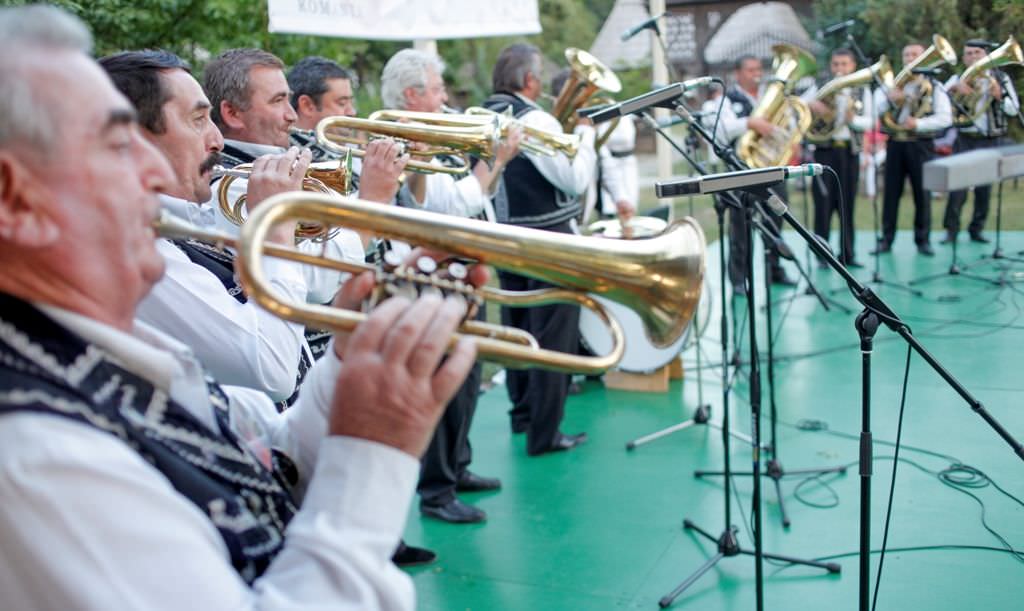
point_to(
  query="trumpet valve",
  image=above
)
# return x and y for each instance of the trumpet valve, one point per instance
(424, 276)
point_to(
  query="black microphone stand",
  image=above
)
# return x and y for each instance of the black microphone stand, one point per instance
(727, 543)
(876, 274)
(875, 313)
(702, 413)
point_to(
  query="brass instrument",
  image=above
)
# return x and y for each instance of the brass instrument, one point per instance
(588, 76)
(788, 113)
(940, 53)
(534, 140)
(978, 77)
(328, 177)
(456, 141)
(824, 126)
(659, 278)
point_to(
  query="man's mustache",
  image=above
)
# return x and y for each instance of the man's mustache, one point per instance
(211, 161)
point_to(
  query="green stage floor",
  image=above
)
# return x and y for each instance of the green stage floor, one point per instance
(601, 528)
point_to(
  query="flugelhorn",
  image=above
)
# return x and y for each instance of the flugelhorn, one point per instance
(824, 127)
(979, 78)
(659, 278)
(938, 54)
(328, 177)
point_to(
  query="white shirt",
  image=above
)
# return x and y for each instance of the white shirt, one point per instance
(618, 175)
(940, 119)
(321, 283)
(88, 524)
(1010, 105)
(568, 176)
(842, 101)
(241, 344)
(457, 197)
(730, 125)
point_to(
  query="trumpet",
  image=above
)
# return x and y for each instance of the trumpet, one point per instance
(660, 278)
(444, 139)
(535, 140)
(327, 177)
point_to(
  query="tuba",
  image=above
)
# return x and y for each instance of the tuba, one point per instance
(588, 77)
(979, 78)
(824, 127)
(788, 113)
(940, 53)
(659, 278)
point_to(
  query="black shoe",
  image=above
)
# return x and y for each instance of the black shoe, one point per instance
(949, 239)
(926, 249)
(454, 511)
(853, 264)
(882, 248)
(779, 277)
(977, 237)
(407, 555)
(562, 443)
(471, 482)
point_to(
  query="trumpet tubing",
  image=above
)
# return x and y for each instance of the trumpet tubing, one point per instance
(659, 278)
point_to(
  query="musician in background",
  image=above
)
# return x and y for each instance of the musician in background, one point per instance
(541, 192)
(126, 478)
(740, 101)
(412, 80)
(320, 88)
(996, 100)
(840, 150)
(922, 111)
(199, 301)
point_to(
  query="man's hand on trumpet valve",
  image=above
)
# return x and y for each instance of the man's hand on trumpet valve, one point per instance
(383, 164)
(508, 148)
(762, 126)
(403, 341)
(273, 174)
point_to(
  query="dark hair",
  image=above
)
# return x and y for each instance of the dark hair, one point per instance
(845, 51)
(137, 75)
(226, 78)
(513, 64)
(742, 59)
(310, 75)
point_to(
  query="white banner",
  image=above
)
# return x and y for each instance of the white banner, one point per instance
(404, 19)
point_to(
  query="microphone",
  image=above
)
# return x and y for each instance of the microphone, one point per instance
(633, 31)
(728, 181)
(839, 27)
(662, 98)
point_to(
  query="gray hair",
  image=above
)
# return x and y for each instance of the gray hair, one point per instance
(513, 64)
(28, 115)
(407, 68)
(226, 78)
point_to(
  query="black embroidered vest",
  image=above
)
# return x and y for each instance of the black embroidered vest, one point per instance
(46, 369)
(525, 197)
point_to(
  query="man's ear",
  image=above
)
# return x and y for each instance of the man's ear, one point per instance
(307, 107)
(24, 210)
(410, 94)
(231, 116)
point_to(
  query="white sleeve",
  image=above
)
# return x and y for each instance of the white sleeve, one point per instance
(613, 176)
(239, 343)
(942, 113)
(569, 176)
(1011, 103)
(730, 126)
(324, 282)
(463, 197)
(861, 121)
(87, 523)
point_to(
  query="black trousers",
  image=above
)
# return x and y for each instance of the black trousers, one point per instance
(739, 241)
(449, 453)
(537, 395)
(982, 194)
(845, 161)
(906, 159)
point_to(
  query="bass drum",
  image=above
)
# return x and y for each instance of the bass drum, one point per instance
(640, 355)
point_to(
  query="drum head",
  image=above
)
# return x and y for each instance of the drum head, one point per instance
(640, 355)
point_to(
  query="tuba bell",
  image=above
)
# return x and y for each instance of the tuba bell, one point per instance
(788, 113)
(588, 76)
(978, 76)
(940, 53)
(824, 127)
